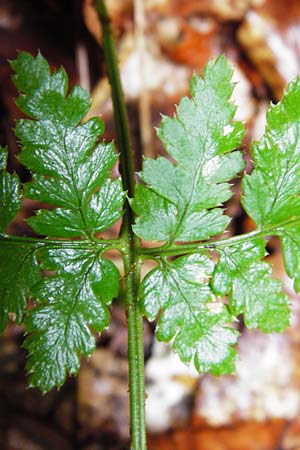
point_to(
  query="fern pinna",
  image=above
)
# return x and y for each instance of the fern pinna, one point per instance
(200, 285)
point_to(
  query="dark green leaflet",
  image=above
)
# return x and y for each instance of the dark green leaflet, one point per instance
(196, 297)
(71, 170)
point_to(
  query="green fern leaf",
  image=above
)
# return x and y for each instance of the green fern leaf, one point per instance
(19, 271)
(11, 198)
(69, 166)
(71, 171)
(271, 194)
(181, 201)
(189, 313)
(241, 274)
(184, 197)
(69, 303)
(19, 274)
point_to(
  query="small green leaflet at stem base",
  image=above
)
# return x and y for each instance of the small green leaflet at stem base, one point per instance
(180, 294)
(241, 274)
(11, 198)
(69, 303)
(184, 199)
(72, 169)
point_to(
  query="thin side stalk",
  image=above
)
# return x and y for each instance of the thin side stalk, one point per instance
(131, 242)
(180, 249)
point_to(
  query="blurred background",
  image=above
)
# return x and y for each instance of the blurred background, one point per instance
(160, 44)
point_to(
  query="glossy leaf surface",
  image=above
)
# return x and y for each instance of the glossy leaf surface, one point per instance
(196, 298)
(181, 201)
(252, 292)
(10, 199)
(189, 314)
(71, 171)
(69, 303)
(19, 270)
(272, 192)
(69, 163)
(19, 273)
(290, 242)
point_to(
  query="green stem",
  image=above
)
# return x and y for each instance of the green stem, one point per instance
(131, 257)
(105, 244)
(135, 355)
(180, 249)
(120, 112)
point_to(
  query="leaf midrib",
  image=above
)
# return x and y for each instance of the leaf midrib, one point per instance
(192, 312)
(195, 180)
